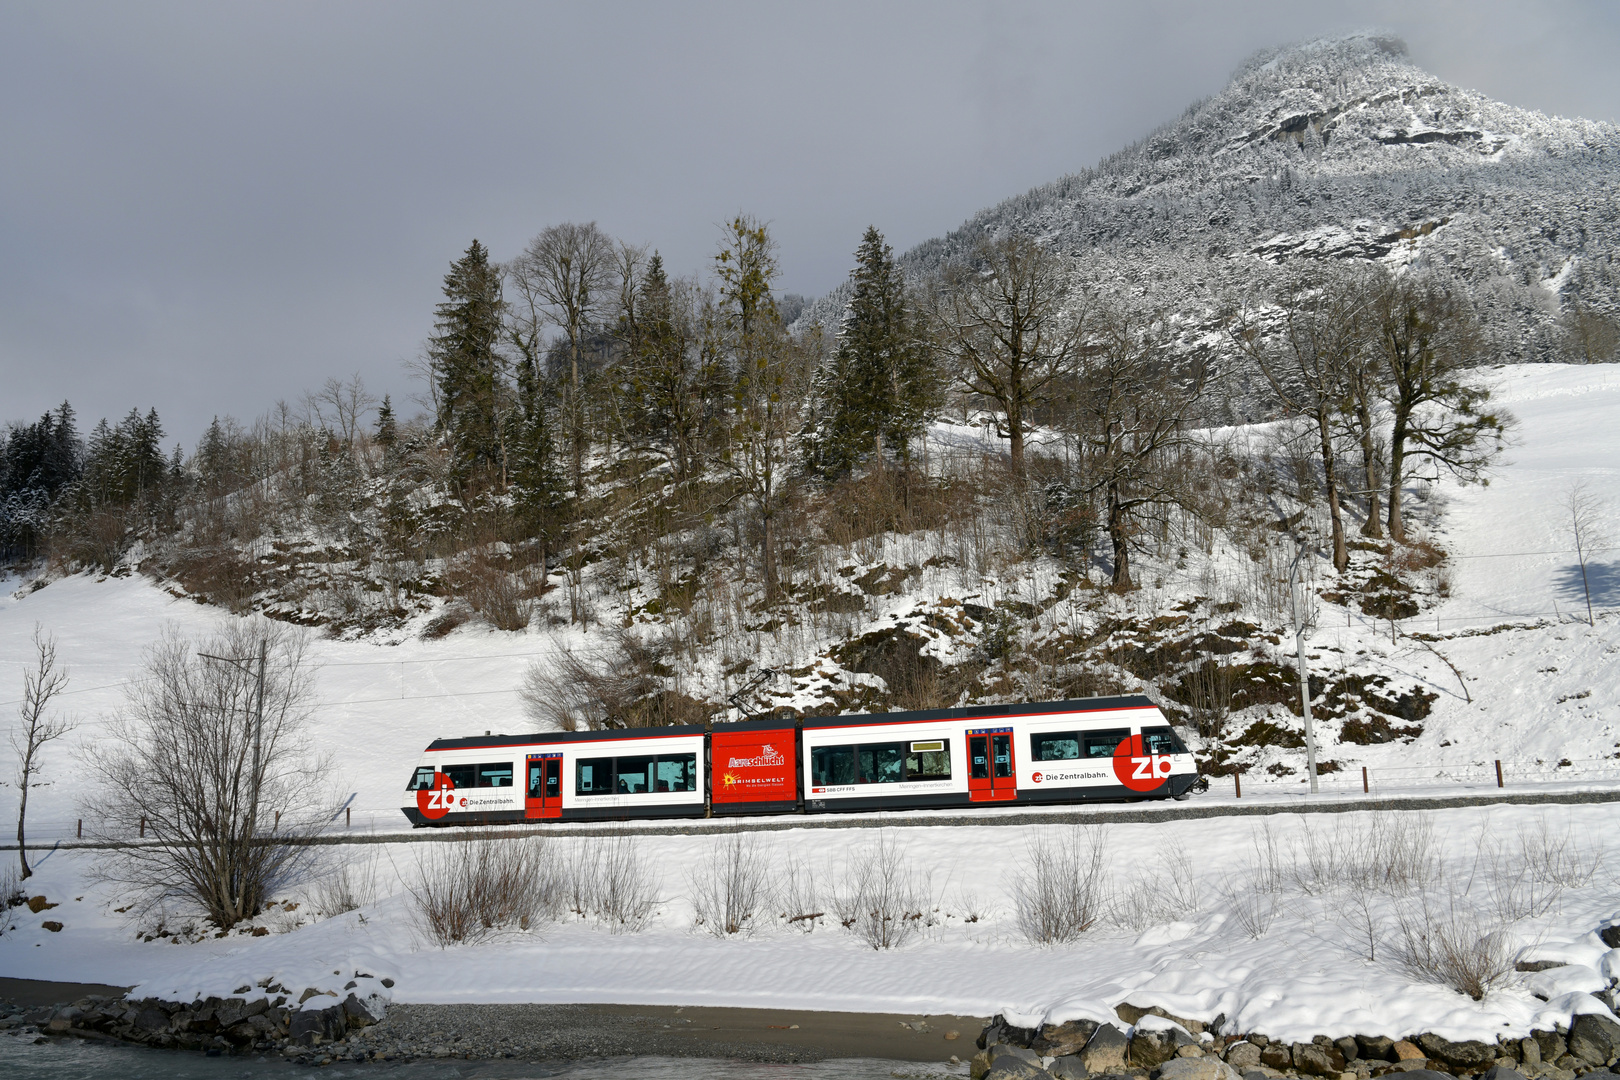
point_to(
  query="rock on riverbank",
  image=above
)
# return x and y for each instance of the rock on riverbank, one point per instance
(1153, 1044)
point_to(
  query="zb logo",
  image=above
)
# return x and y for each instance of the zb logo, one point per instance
(1136, 768)
(438, 800)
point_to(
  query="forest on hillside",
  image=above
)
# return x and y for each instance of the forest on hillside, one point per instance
(601, 445)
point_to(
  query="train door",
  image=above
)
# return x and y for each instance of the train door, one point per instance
(544, 797)
(992, 771)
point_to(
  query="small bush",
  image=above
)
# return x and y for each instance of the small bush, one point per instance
(622, 892)
(1065, 891)
(1450, 944)
(798, 897)
(881, 900)
(350, 886)
(1162, 895)
(467, 889)
(730, 886)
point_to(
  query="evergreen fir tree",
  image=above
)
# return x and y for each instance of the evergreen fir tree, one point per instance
(539, 490)
(467, 367)
(876, 392)
(387, 428)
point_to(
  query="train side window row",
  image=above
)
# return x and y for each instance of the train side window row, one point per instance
(493, 774)
(635, 775)
(881, 763)
(1075, 745)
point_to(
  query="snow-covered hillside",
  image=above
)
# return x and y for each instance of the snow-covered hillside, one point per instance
(1340, 148)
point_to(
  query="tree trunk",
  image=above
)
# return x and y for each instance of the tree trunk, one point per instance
(767, 545)
(1015, 438)
(1330, 477)
(1121, 544)
(1373, 528)
(22, 815)
(1397, 459)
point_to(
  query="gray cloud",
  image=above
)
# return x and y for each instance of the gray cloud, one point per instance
(208, 207)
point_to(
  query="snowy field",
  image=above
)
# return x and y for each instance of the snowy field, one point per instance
(1542, 694)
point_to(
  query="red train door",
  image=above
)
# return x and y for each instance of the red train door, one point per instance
(544, 798)
(992, 769)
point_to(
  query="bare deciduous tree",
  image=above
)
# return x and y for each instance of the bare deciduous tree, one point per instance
(42, 682)
(1586, 528)
(1008, 330)
(1306, 359)
(210, 760)
(567, 272)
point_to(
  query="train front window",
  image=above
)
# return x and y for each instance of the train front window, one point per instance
(635, 775)
(1054, 746)
(463, 776)
(494, 774)
(1102, 743)
(929, 760)
(593, 776)
(421, 779)
(678, 773)
(830, 765)
(1161, 740)
(883, 763)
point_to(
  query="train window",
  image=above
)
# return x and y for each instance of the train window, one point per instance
(593, 776)
(1161, 740)
(463, 776)
(1001, 754)
(634, 775)
(882, 763)
(978, 751)
(678, 773)
(535, 770)
(1054, 746)
(1102, 743)
(832, 765)
(494, 774)
(929, 760)
(421, 779)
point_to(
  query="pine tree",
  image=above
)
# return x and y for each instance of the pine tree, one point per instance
(877, 390)
(387, 428)
(539, 491)
(467, 368)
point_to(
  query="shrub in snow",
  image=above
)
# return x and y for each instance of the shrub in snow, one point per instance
(730, 886)
(1065, 889)
(465, 890)
(608, 879)
(797, 896)
(882, 899)
(350, 885)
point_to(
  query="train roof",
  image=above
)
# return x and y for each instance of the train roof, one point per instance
(544, 738)
(984, 712)
(974, 712)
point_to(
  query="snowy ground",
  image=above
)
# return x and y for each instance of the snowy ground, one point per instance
(1543, 694)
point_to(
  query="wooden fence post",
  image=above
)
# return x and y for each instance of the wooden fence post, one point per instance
(278, 819)
(1237, 778)
(1364, 787)
(348, 817)
(143, 828)
(1498, 772)
(81, 828)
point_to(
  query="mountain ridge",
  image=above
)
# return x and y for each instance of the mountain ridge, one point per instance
(1339, 148)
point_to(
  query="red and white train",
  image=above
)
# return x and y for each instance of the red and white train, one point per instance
(1045, 752)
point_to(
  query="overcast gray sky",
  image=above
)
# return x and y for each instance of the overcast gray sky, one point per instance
(207, 207)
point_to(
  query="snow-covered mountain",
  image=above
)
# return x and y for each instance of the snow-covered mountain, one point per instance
(1342, 148)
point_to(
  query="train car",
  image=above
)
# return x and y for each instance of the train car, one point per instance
(1066, 751)
(1063, 751)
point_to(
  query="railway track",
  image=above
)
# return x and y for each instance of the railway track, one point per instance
(1097, 814)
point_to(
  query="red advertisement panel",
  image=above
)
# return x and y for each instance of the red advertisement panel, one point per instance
(754, 766)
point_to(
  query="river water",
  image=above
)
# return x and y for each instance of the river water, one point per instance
(71, 1059)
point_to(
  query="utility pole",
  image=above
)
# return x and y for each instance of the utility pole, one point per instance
(1304, 676)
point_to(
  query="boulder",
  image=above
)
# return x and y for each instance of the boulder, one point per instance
(151, 1019)
(1530, 1051)
(1425, 1074)
(1132, 1013)
(1009, 1062)
(1069, 1067)
(1276, 1056)
(1348, 1047)
(1105, 1051)
(311, 1027)
(363, 1012)
(1468, 1054)
(1007, 1051)
(997, 1031)
(1061, 1040)
(1610, 933)
(1313, 1059)
(1243, 1055)
(1551, 1045)
(1150, 1049)
(1594, 1038)
(1501, 1072)
(1200, 1068)
(1404, 1050)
